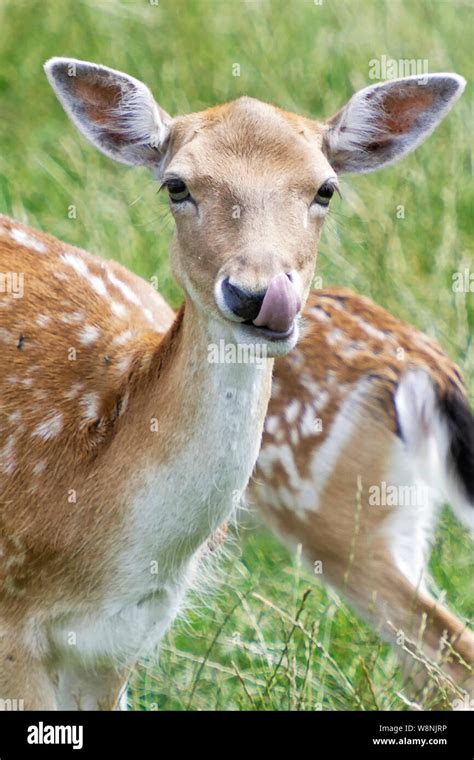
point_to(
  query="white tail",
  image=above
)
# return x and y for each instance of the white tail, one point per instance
(124, 441)
(368, 433)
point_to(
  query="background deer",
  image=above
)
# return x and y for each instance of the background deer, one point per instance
(368, 433)
(122, 447)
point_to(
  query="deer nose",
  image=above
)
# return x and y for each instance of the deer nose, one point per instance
(275, 308)
(242, 303)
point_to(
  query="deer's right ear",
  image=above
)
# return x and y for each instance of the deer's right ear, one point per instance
(116, 112)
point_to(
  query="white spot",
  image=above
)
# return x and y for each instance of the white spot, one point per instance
(88, 335)
(280, 435)
(98, 285)
(73, 318)
(123, 364)
(350, 350)
(334, 336)
(118, 309)
(39, 468)
(15, 417)
(271, 455)
(371, 330)
(90, 405)
(271, 424)
(320, 314)
(49, 428)
(304, 496)
(295, 358)
(76, 262)
(123, 338)
(42, 320)
(149, 315)
(308, 421)
(310, 385)
(320, 400)
(81, 268)
(331, 379)
(73, 391)
(125, 290)
(286, 497)
(27, 240)
(7, 459)
(292, 411)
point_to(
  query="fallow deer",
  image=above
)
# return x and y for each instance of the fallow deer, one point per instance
(123, 448)
(368, 433)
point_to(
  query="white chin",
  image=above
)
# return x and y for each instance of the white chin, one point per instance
(270, 344)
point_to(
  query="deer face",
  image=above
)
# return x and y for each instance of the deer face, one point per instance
(249, 185)
(249, 189)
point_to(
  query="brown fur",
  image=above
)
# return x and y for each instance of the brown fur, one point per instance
(347, 534)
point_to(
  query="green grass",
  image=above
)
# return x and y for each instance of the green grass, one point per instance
(240, 648)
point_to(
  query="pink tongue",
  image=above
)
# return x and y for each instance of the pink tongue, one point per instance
(280, 305)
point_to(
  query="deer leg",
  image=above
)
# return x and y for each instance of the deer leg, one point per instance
(89, 688)
(434, 644)
(375, 554)
(431, 640)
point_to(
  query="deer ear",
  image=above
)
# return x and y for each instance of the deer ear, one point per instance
(116, 112)
(383, 123)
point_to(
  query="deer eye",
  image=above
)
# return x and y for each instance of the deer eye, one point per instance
(324, 194)
(177, 190)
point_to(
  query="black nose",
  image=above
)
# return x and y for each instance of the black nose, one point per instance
(242, 303)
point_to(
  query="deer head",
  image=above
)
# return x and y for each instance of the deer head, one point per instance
(249, 184)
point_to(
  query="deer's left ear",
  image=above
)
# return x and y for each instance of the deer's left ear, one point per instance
(382, 123)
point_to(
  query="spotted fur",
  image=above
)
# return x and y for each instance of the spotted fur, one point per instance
(366, 400)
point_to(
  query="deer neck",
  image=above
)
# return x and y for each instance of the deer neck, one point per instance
(209, 419)
(207, 366)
